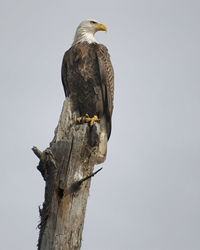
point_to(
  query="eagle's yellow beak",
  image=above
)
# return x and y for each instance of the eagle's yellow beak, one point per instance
(101, 26)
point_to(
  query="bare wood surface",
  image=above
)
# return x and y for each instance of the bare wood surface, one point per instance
(67, 167)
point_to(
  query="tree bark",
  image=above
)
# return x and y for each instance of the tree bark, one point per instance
(66, 167)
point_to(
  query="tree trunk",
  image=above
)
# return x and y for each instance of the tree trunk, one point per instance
(66, 167)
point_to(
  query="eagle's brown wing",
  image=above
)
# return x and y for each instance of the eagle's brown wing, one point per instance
(81, 79)
(107, 81)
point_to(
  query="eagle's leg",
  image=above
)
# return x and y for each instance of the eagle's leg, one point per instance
(92, 120)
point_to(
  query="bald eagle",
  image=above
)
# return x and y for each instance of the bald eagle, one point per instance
(88, 76)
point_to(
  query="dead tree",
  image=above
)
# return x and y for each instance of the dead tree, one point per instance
(66, 166)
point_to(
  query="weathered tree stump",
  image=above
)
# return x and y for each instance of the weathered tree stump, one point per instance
(66, 167)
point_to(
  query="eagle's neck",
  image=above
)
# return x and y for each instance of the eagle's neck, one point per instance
(84, 36)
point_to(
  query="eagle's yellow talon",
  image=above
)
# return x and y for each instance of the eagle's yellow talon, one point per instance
(87, 119)
(93, 120)
(79, 119)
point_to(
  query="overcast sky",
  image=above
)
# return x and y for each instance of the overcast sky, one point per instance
(147, 197)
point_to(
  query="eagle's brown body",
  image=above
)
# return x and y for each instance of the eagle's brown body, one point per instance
(88, 79)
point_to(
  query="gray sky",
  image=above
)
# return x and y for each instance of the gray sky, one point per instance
(148, 195)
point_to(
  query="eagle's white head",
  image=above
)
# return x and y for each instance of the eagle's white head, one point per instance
(86, 30)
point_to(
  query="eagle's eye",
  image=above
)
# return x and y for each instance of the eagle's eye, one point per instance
(93, 22)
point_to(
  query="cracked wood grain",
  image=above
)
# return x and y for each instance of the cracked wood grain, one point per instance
(68, 160)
